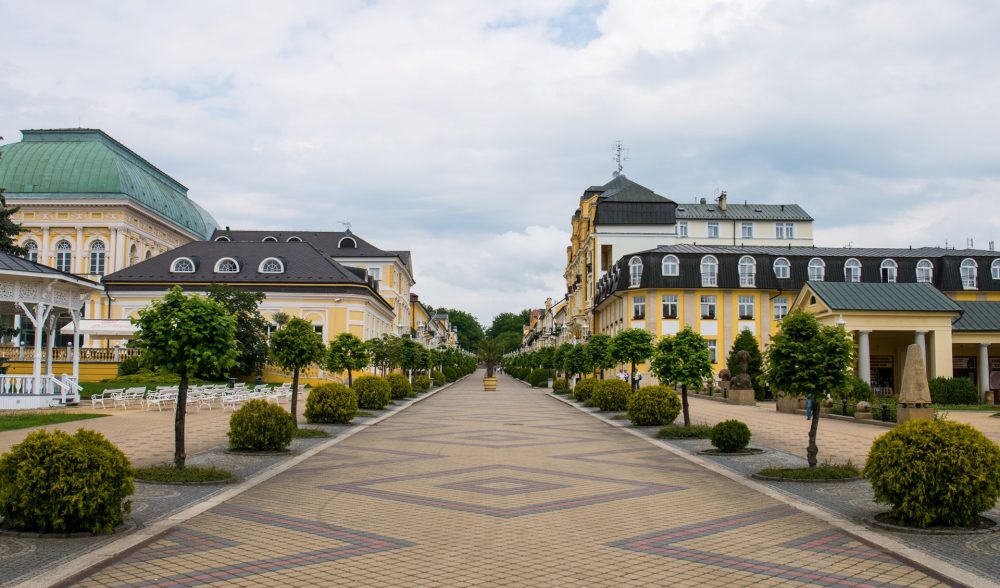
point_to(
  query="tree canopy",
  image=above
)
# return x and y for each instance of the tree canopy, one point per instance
(296, 345)
(470, 332)
(597, 352)
(9, 230)
(631, 346)
(682, 359)
(347, 353)
(251, 328)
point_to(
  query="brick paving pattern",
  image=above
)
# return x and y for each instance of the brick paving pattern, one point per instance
(505, 488)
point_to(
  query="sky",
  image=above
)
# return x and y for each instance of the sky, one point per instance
(466, 131)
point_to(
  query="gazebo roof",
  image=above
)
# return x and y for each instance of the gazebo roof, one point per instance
(13, 265)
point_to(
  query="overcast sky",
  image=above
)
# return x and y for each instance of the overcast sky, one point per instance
(466, 131)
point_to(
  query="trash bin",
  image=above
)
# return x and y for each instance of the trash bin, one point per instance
(232, 382)
(258, 381)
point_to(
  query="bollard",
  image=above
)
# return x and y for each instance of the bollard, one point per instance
(843, 407)
(885, 412)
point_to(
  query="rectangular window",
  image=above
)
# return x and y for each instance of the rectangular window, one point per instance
(670, 306)
(682, 229)
(713, 230)
(746, 307)
(638, 307)
(708, 307)
(780, 307)
(605, 257)
(712, 349)
(64, 261)
(784, 230)
(97, 263)
(746, 230)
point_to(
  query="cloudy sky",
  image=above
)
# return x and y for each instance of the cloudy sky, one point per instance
(466, 131)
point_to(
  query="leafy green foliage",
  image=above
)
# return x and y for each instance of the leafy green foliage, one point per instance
(421, 383)
(489, 351)
(251, 328)
(9, 230)
(373, 392)
(129, 366)
(439, 378)
(653, 405)
(682, 359)
(411, 355)
(451, 373)
(55, 482)
(575, 360)
(729, 436)
(294, 346)
(824, 471)
(187, 335)
(539, 378)
(507, 329)
(347, 353)
(746, 341)
(855, 391)
(934, 473)
(611, 395)
(684, 432)
(399, 386)
(469, 329)
(306, 433)
(953, 391)
(560, 386)
(384, 352)
(584, 389)
(331, 403)
(631, 346)
(186, 475)
(597, 352)
(259, 425)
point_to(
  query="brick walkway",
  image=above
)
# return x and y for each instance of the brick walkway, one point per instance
(508, 488)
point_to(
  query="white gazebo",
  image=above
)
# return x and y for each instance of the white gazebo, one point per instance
(42, 295)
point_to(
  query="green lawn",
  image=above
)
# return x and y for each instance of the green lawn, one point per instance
(982, 407)
(148, 381)
(9, 422)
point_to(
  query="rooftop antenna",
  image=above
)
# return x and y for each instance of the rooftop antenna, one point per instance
(347, 225)
(619, 157)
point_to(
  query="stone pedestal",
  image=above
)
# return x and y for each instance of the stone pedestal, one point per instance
(741, 396)
(908, 413)
(914, 393)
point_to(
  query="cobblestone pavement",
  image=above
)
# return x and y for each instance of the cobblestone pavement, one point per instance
(505, 488)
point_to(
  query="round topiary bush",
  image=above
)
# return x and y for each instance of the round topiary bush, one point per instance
(259, 425)
(611, 395)
(560, 386)
(331, 403)
(653, 405)
(953, 391)
(374, 393)
(53, 482)
(539, 378)
(451, 374)
(729, 436)
(438, 377)
(934, 473)
(584, 388)
(399, 386)
(422, 383)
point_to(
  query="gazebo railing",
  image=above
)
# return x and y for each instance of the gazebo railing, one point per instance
(24, 391)
(87, 354)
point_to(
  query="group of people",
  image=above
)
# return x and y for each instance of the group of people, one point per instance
(636, 376)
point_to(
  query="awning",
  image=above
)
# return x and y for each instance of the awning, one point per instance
(102, 328)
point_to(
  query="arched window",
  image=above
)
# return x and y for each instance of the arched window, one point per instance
(270, 239)
(133, 255)
(709, 271)
(748, 270)
(271, 265)
(969, 270)
(670, 266)
(782, 269)
(925, 271)
(64, 256)
(297, 240)
(149, 253)
(227, 265)
(222, 238)
(852, 270)
(97, 258)
(995, 269)
(31, 250)
(182, 265)
(817, 269)
(347, 242)
(888, 270)
(634, 272)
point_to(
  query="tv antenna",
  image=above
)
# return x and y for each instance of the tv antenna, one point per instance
(620, 154)
(347, 225)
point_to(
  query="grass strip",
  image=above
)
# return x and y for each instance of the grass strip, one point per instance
(824, 471)
(9, 422)
(981, 407)
(186, 475)
(682, 432)
(310, 433)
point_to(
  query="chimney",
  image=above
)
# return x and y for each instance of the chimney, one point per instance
(548, 303)
(703, 201)
(722, 200)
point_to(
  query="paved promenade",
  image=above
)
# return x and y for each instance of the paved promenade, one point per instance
(506, 488)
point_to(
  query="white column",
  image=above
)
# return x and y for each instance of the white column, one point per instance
(864, 357)
(920, 338)
(36, 366)
(79, 265)
(119, 249)
(44, 248)
(983, 374)
(17, 325)
(51, 327)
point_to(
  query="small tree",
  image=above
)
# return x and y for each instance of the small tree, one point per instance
(411, 356)
(745, 341)
(294, 346)
(9, 230)
(347, 353)
(559, 357)
(186, 335)
(631, 346)
(576, 361)
(490, 351)
(251, 328)
(806, 359)
(682, 359)
(384, 352)
(597, 353)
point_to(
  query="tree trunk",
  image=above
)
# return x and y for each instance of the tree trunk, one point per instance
(295, 397)
(634, 382)
(350, 379)
(813, 450)
(180, 411)
(684, 405)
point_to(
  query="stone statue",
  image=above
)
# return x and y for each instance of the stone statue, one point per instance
(742, 381)
(914, 393)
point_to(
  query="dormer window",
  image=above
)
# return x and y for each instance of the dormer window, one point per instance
(223, 238)
(969, 271)
(888, 270)
(270, 239)
(670, 266)
(634, 272)
(995, 269)
(271, 265)
(293, 239)
(227, 265)
(852, 270)
(925, 271)
(347, 243)
(709, 271)
(782, 269)
(817, 269)
(182, 265)
(748, 271)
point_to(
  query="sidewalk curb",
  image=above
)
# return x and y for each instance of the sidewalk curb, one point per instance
(68, 573)
(921, 560)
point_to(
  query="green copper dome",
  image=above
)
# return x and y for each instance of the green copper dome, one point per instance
(88, 164)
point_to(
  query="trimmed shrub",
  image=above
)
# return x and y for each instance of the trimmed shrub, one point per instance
(259, 425)
(539, 378)
(399, 386)
(584, 388)
(438, 377)
(611, 395)
(953, 391)
(331, 403)
(129, 366)
(422, 383)
(560, 386)
(857, 390)
(451, 374)
(56, 482)
(653, 405)
(935, 473)
(374, 393)
(729, 436)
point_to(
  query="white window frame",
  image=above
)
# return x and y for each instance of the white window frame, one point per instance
(813, 266)
(748, 271)
(890, 269)
(261, 269)
(995, 269)
(784, 230)
(670, 266)
(970, 279)
(785, 266)
(269, 239)
(64, 256)
(294, 239)
(223, 238)
(713, 350)
(927, 267)
(639, 308)
(218, 266)
(746, 230)
(709, 308)
(780, 307)
(174, 269)
(98, 256)
(374, 272)
(340, 244)
(711, 277)
(670, 301)
(634, 272)
(712, 229)
(745, 303)
(852, 276)
(682, 228)
(31, 250)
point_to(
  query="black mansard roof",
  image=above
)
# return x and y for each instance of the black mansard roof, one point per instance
(333, 243)
(946, 263)
(624, 202)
